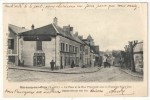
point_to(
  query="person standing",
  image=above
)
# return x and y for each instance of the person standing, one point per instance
(72, 64)
(100, 61)
(113, 60)
(105, 61)
(52, 65)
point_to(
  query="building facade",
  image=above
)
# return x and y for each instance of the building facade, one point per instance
(13, 48)
(39, 46)
(138, 56)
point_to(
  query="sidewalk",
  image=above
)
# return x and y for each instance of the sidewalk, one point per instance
(135, 74)
(75, 70)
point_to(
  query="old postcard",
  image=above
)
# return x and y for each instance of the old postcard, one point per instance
(75, 49)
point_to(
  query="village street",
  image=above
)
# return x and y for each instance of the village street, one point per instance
(103, 75)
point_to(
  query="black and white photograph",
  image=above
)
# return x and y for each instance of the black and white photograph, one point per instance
(75, 42)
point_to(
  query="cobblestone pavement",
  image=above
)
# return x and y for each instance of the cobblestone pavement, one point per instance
(103, 75)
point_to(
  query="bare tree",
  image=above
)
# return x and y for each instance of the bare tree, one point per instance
(127, 58)
(132, 44)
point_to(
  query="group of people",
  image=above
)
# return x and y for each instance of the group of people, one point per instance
(52, 63)
(105, 62)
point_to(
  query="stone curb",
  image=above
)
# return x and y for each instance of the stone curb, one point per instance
(131, 74)
(55, 71)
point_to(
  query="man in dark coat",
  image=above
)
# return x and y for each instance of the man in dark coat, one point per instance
(52, 65)
(72, 64)
(100, 61)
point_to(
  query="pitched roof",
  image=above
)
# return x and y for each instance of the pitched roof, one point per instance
(62, 32)
(52, 30)
(138, 47)
(42, 31)
(89, 37)
(68, 34)
(78, 39)
(17, 29)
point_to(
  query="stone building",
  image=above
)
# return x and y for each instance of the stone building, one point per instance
(39, 46)
(13, 38)
(93, 57)
(138, 56)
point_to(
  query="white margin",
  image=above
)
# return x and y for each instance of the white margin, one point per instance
(40, 1)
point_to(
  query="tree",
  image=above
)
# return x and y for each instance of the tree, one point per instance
(115, 53)
(131, 46)
(129, 49)
(127, 57)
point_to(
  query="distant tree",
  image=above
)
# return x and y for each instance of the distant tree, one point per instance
(122, 58)
(115, 53)
(127, 58)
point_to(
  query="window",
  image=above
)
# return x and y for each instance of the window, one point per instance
(10, 43)
(86, 51)
(76, 49)
(81, 48)
(39, 45)
(66, 47)
(70, 48)
(73, 49)
(62, 47)
(69, 60)
(11, 59)
(80, 56)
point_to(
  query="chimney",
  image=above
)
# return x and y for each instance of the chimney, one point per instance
(71, 30)
(32, 27)
(80, 37)
(55, 21)
(76, 33)
(68, 29)
(65, 28)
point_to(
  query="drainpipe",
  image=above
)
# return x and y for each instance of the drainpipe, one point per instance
(18, 47)
(55, 52)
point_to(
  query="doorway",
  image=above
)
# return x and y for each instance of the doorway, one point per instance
(39, 60)
(61, 63)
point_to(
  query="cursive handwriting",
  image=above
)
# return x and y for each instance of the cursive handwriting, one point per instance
(119, 91)
(30, 92)
(51, 90)
(74, 6)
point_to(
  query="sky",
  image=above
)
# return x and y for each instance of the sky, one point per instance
(111, 29)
